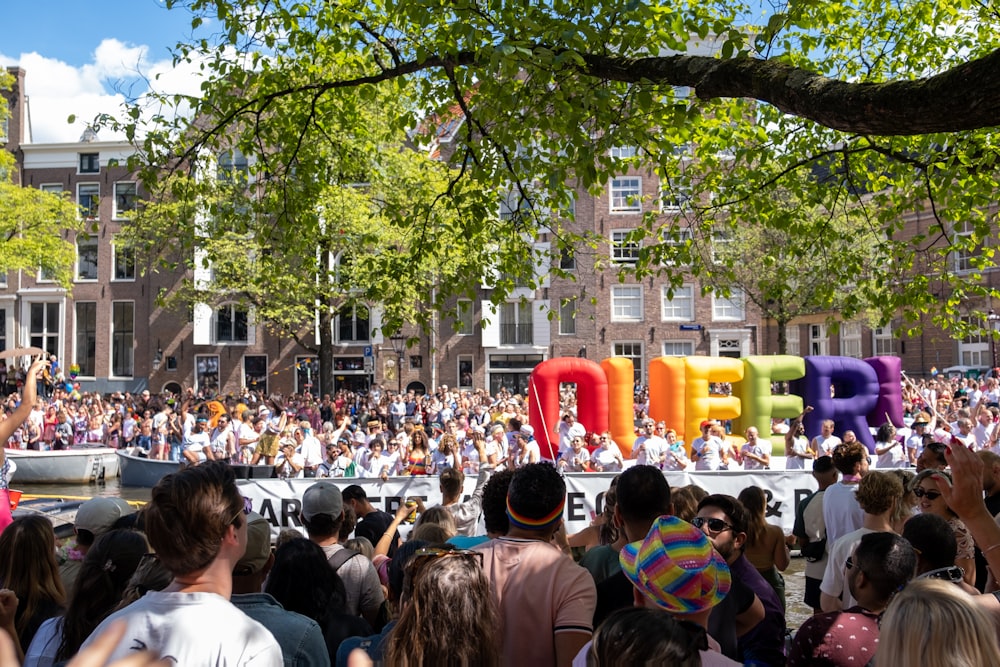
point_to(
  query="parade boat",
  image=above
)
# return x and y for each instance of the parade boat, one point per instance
(76, 465)
(146, 472)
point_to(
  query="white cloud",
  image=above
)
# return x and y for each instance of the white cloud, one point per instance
(118, 71)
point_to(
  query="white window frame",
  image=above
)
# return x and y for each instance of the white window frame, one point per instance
(623, 152)
(115, 261)
(116, 212)
(730, 308)
(638, 369)
(218, 371)
(354, 327)
(673, 200)
(94, 209)
(624, 251)
(975, 348)
(685, 236)
(619, 308)
(962, 261)
(793, 339)
(97, 261)
(625, 194)
(883, 341)
(52, 188)
(674, 309)
(687, 348)
(850, 340)
(819, 341)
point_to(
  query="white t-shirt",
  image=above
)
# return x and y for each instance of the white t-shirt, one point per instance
(710, 455)
(825, 446)
(760, 448)
(799, 446)
(841, 511)
(894, 458)
(652, 450)
(193, 629)
(834, 583)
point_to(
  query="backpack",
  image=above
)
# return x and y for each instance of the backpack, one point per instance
(338, 559)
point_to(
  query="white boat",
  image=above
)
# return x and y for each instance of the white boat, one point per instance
(77, 465)
(146, 472)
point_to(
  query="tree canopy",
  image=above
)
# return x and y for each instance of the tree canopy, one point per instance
(868, 109)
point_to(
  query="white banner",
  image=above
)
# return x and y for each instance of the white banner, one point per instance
(279, 501)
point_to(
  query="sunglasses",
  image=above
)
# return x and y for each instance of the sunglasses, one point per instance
(849, 563)
(715, 526)
(931, 495)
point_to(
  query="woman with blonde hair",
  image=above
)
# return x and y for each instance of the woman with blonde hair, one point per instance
(765, 547)
(935, 624)
(931, 501)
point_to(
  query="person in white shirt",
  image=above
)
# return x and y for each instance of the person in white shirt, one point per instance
(824, 444)
(289, 464)
(574, 459)
(651, 448)
(675, 456)
(309, 447)
(756, 453)
(197, 443)
(983, 430)
(890, 451)
(569, 428)
(796, 445)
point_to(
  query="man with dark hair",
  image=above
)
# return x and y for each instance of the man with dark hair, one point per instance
(494, 511)
(841, 512)
(642, 495)
(300, 637)
(322, 515)
(725, 522)
(932, 458)
(372, 522)
(881, 565)
(196, 523)
(546, 601)
(810, 530)
(937, 548)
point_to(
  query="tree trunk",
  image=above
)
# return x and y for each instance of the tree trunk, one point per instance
(782, 335)
(325, 379)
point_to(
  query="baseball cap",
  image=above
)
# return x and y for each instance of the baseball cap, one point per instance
(527, 430)
(705, 423)
(322, 498)
(98, 515)
(676, 567)
(258, 545)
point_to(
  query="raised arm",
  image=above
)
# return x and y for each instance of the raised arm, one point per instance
(29, 395)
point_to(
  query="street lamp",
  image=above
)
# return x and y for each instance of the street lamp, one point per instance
(158, 359)
(399, 347)
(992, 318)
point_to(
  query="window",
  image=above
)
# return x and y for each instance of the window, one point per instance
(882, 341)
(206, 373)
(233, 167)
(125, 198)
(626, 303)
(965, 258)
(675, 242)
(850, 339)
(818, 341)
(124, 262)
(625, 195)
(567, 317)
(51, 188)
(631, 351)
(86, 337)
(729, 347)
(88, 196)
(43, 329)
(352, 324)
(516, 323)
(306, 372)
(729, 308)
(623, 152)
(4, 129)
(231, 324)
(567, 259)
(673, 198)
(720, 240)
(255, 373)
(678, 348)
(86, 257)
(680, 308)
(974, 349)
(792, 339)
(122, 338)
(90, 163)
(465, 378)
(3, 330)
(623, 249)
(463, 318)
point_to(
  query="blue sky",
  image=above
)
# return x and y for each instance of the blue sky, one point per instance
(79, 56)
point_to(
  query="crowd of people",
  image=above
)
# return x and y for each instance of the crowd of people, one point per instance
(899, 565)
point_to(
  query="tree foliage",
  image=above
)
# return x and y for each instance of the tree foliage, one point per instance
(34, 224)
(873, 108)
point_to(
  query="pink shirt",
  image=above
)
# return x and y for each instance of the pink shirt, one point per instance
(540, 592)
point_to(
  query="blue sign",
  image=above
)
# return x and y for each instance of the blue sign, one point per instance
(690, 327)
(368, 351)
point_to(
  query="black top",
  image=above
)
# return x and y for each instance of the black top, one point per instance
(373, 525)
